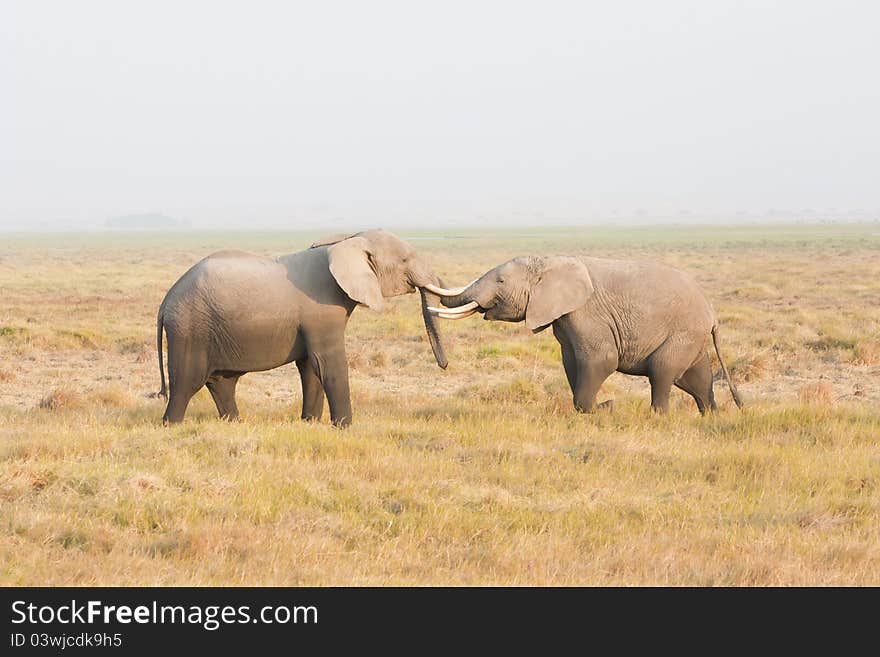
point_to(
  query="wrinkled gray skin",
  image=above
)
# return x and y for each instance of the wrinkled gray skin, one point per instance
(236, 312)
(609, 315)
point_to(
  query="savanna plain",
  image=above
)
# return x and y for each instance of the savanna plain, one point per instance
(480, 474)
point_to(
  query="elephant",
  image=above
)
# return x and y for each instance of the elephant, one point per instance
(235, 312)
(639, 318)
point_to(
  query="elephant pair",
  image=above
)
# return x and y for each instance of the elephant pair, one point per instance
(235, 312)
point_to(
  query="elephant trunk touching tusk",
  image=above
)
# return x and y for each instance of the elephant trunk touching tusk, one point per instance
(443, 292)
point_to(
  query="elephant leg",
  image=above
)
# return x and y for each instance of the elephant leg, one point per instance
(312, 392)
(187, 373)
(591, 374)
(665, 367)
(697, 382)
(661, 386)
(332, 369)
(570, 364)
(177, 403)
(222, 389)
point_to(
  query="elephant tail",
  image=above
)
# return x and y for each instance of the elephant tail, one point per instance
(733, 391)
(160, 324)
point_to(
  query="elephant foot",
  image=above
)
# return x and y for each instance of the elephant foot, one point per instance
(342, 423)
(607, 405)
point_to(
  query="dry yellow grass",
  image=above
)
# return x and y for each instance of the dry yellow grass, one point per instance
(63, 399)
(868, 352)
(479, 475)
(817, 394)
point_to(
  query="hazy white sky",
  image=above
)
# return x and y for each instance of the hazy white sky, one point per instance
(262, 112)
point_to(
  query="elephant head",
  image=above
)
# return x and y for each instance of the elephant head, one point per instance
(374, 265)
(538, 290)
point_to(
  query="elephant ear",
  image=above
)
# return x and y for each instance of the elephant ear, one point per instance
(564, 286)
(332, 239)
(351, 267)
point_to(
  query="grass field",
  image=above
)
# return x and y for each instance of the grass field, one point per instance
(482, 474)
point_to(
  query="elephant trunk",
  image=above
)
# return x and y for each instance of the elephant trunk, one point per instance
(456, 300)
(467, 295)
(431, 299)
(424, 278)
(458, 303)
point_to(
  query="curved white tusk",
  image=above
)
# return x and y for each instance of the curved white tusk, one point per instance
(444, 292)
(457, 310)
(461, 316)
